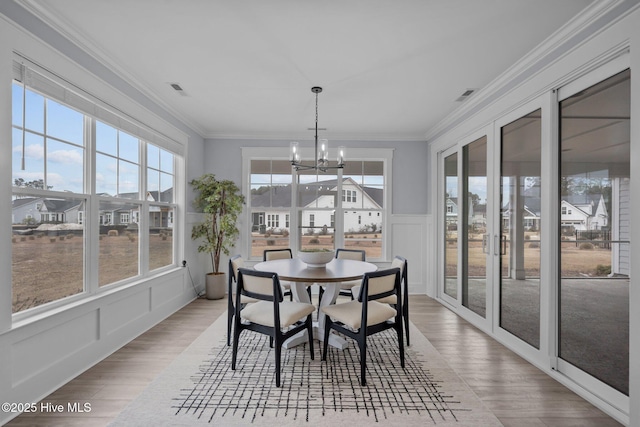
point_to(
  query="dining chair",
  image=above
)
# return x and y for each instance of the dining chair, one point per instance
(402, 264)
(345, 287)
(270, 315)
(366, 316)
(273, 254)
(236, 262)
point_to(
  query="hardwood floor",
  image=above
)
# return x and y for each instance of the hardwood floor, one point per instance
(518, 393)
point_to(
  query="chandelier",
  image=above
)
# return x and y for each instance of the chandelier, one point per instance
(322, 153)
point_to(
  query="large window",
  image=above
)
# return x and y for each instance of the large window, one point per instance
(270, 189)
(307, 208)
(363, 184)
(160, 184)
(59, 198)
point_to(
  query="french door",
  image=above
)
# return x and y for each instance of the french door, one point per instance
(465, 235)
(594, 231)
(534, 216)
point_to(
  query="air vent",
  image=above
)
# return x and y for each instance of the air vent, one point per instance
(178, 89)
(467, 93)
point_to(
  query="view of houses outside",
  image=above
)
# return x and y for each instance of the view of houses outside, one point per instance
(51, 201)
(49, 233)
(584, 219)
(360, 199)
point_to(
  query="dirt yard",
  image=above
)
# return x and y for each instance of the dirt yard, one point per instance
(47, 268)
(575, 262)
(371, 243)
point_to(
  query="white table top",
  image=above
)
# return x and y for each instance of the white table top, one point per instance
(338, 270)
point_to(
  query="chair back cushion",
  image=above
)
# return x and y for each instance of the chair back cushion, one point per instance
(379, 285)
(270, 255)
(398, 263)
(355, 255)
(258, 285)
(236, 264)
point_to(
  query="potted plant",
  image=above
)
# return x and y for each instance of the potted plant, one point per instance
(221, 202)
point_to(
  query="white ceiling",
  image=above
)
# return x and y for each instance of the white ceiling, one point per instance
(390, 69)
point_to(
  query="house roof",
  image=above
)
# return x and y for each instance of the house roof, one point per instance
(16, 203)
(583, 199)
(57, 205)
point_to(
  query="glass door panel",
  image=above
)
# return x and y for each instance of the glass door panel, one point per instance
(473, 234)
(450, 216)
(520, 218)
(594, 239)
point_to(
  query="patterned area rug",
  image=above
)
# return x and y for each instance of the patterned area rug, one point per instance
(199, 387)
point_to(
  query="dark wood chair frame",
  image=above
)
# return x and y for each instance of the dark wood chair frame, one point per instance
(275, 333)
(405, 295)
(230, 304)
(360, 336)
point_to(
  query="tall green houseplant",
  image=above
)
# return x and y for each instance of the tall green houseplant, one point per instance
(221, 202)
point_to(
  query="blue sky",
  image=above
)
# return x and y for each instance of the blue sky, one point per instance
(60, 154)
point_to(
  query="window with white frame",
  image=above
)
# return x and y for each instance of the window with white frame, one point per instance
(160, 185)
(273, 221)
(55, 131)
(270, 196)
(358, 192)
(349, 196)
(363, 227)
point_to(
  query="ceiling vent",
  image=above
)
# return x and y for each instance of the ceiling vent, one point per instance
(467, 93)
(178, 89)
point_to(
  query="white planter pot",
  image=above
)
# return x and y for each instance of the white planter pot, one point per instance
(216, 284)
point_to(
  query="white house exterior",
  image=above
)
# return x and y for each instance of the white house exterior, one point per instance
(584, 212)
(362, 207)
(115, 212)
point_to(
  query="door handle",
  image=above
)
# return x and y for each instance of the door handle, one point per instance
(496, 245)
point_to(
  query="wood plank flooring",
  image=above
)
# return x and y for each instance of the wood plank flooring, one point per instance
(518, 393)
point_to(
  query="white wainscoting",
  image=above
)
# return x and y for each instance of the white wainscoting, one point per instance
(409, 239)
(43, 354)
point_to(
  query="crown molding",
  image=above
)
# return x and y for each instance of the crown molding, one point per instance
(594, 19)
(309, 137)
(58, 23)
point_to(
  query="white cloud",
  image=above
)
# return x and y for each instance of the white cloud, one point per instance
(33, 151)
(67, 157)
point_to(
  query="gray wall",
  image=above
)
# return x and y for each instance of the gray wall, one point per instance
(223, 157)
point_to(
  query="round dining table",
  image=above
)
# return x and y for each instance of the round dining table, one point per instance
(330, 276)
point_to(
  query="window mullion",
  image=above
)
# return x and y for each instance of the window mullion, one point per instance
(295, 237)
(338, 231)
(92, 216)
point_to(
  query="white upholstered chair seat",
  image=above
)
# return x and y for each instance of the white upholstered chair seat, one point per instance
(261, 313)
(350, 313)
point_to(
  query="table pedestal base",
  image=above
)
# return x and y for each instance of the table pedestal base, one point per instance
(299, 291)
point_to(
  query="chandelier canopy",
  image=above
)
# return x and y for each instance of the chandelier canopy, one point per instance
(321, 149)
